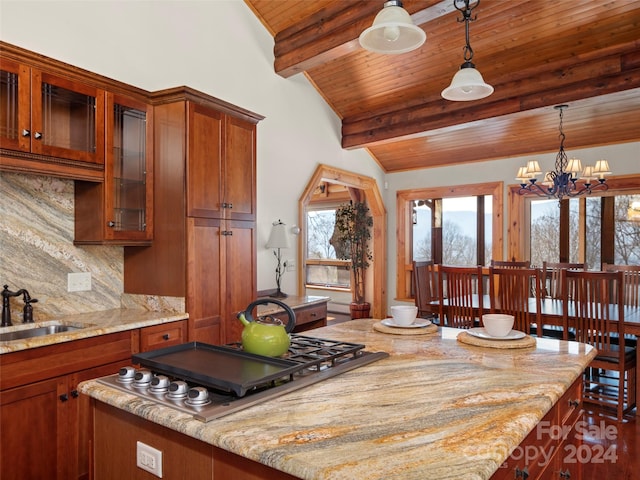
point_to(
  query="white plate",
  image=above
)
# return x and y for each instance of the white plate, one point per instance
(418, 323)
(480, 332)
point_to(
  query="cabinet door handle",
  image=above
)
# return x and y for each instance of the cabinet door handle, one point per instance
(524, 473)
(565, 474)
(37, 135)
(111, 223)
(26, 133)
(229, 205)
(64, 397)
(75, 393)
(227, 233)
(574, 403)
(165, 336)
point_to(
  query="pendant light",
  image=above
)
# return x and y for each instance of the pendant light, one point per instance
(392, 31)
(467, 83)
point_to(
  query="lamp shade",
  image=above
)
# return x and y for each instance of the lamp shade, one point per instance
(467, 84)
(278, 237)
(392, 31)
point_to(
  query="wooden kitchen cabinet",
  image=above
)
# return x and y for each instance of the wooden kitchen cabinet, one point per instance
(50, 122)
(43, 422)
(204, 246)
(120, 209)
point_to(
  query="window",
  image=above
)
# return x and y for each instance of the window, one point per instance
(449, 225)
(323, 268)
(596, 227)
(591, 229)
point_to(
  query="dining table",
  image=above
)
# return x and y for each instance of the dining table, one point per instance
(552, 314)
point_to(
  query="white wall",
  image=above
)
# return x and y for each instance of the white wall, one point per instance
(217, 47)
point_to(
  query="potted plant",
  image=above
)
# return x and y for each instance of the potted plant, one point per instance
(352, 233)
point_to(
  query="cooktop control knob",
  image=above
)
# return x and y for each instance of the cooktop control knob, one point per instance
(178, 389)
(159, 384)
(198, 396)
(126, 374)
(142, 378)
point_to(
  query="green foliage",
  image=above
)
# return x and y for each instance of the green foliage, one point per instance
(353, 231)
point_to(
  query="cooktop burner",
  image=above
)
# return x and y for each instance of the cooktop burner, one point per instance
(211, 381)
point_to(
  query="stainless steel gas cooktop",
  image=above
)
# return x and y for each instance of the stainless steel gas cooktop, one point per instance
(211, 381)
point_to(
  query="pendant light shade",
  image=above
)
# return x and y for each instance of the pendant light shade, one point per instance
(392, 31)
(467, 84)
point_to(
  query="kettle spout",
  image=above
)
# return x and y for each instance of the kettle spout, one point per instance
(242, 318)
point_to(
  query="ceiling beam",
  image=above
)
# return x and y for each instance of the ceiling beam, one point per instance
(333, 32)
(550, 85)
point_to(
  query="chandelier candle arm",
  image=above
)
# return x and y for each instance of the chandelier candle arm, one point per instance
(561, 182)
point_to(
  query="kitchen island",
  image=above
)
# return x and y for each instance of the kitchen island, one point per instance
(434, 409)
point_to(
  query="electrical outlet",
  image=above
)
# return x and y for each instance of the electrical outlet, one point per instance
(79, 282)
(149, 459)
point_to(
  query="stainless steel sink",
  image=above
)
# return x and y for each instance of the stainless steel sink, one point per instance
(37, 331)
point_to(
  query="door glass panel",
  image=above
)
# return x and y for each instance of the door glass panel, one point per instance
(129, 168)
(459, 231)
(8, 105)
(68, 119)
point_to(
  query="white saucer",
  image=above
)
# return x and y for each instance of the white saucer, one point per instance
(480, 332)
(418, 323)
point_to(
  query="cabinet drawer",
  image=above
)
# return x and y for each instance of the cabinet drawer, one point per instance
(311, 314)
(164, 335)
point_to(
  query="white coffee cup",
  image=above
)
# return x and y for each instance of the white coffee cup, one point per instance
(497, 324)
(404, 315)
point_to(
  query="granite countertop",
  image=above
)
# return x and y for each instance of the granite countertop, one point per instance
(435, 408)
(293, 301)
(92, 324)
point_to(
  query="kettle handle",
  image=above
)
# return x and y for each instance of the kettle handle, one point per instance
(291, 323)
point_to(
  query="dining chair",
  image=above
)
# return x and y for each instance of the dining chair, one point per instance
(552, 277)
(510, 264)
(631, 275)
(591, 312)
(510, 293)
(461, 290)
(425, 288)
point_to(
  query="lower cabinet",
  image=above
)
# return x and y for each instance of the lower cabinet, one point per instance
(115, 438)
(546, 452)
(44, 422)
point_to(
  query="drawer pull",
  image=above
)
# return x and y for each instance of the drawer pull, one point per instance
(524, 473)
(574, 403)
(64, 397)
(565, 474)
(314, 314)
(38, 135)
(75, 394)
(25, 132)
(165, 336)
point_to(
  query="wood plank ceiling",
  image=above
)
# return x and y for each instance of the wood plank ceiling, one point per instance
(535, 53)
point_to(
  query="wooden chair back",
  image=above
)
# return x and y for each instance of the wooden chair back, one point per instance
(425, 286)
(552, 277)
(458, 286)
(510, 264)
(510, 293)
(631, 275)
(591, 311)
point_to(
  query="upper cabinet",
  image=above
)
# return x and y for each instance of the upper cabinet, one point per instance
(120, 210)
(221, 173)
(49, 123)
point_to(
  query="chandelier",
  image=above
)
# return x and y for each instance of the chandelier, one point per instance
(562, 182)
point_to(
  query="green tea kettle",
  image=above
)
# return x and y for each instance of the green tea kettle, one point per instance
(266, 335)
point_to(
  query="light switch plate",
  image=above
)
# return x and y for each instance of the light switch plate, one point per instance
(79, 282)
(149, 459)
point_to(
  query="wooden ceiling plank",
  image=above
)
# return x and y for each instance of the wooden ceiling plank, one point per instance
(332, 33)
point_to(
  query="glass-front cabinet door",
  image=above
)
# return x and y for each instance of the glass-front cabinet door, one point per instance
(128, 169)
(14, 106)
(45, 114)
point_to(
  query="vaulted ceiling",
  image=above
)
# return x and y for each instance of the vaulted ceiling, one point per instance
(535, 53)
